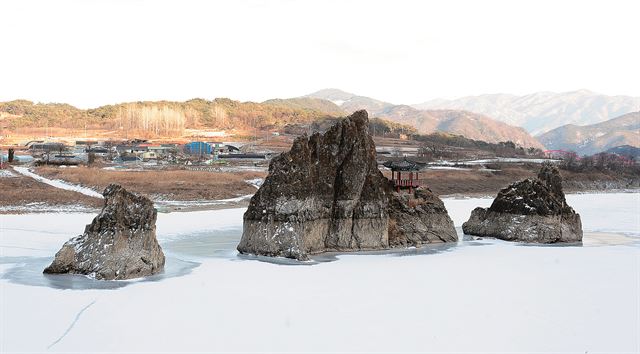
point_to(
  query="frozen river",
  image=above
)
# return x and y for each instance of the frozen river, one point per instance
(475, 296)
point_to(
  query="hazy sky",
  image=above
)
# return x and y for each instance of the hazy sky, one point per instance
(89, 52)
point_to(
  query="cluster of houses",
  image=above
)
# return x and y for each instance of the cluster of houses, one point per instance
(136, 150)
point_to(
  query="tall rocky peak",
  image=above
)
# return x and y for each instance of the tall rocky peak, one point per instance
(550, 176)
(532, 210)
(326, 193)
(333, 164)
(120, 243)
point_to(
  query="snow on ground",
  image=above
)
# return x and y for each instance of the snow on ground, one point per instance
(198, 204)
(42, 207)
(5, 173)
(448, 168)
(18, 158)
(492, 160)
(508, 160)
(58, 183)
(256, 182)
(123, 169)
(474, 296)
(242, 168)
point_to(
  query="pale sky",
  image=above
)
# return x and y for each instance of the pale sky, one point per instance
(90, 52)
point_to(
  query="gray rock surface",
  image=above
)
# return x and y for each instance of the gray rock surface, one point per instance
(419, 219)
(327, 194)
(532, 210)
(120, 243)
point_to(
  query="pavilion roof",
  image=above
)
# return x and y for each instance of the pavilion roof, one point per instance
(404, 165)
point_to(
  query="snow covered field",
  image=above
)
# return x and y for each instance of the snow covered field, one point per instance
(492, 160)
(475, 296)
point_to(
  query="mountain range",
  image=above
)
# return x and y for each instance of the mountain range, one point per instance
(590, 139)
(542, 111)
(459, 122)
(164, 118)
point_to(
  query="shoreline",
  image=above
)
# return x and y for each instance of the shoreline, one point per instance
(46, 189)
(182, 206)
(570, 192)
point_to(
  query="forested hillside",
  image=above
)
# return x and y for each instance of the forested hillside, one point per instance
(162, 117)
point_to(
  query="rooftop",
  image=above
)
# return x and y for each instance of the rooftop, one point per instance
(404, 165)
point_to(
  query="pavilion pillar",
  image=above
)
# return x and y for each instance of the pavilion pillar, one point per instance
(410, 182)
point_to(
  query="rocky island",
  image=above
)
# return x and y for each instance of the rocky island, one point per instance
(327, 194)
(120, 243)
(532, 210)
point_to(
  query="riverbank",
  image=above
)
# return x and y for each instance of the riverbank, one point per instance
(44, 189)
(55, 189)
(482, 181)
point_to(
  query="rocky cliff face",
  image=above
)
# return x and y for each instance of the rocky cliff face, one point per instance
(120, 243)
(418, 219)
(532, 210)
(327, 194)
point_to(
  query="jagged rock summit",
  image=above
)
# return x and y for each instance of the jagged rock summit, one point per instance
(120, 243)
(327, 194)
(532, 210)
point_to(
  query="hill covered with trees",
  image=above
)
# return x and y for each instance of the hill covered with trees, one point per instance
(163, 117)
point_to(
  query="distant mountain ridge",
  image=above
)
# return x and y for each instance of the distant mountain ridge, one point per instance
(471, 125)
(350, 102)
(626, 151)
(542, 111)
(591, 139)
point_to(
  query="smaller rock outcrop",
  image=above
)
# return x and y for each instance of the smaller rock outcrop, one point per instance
(419, 218)
(120, 243)
(532, 210)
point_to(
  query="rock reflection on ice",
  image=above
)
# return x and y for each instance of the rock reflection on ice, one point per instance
(28, 271)
(275, 260)
(335, 256)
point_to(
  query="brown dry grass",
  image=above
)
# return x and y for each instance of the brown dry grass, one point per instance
(165, 184)
(471, 182)
(475, 182)
(21, 190)
(445, 182)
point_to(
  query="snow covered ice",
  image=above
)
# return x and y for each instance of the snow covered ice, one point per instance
(475, 296)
